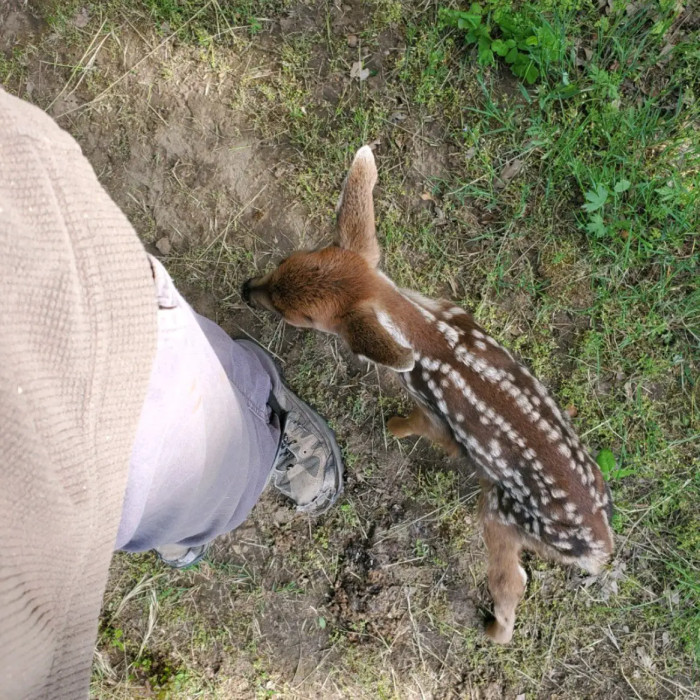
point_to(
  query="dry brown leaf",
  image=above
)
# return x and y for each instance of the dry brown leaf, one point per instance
(587, 56)
(82, 17)
(357, 71)
(512, 169)
(508, 173)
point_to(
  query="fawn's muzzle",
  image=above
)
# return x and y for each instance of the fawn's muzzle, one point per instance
(255, 294)
(245, 292)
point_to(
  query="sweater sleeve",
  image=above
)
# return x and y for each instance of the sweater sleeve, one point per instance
(77, 340)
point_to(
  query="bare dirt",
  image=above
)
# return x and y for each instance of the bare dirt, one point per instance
(188, 169)
(385, 596)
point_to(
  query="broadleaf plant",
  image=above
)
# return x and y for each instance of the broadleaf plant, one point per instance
(521, 37)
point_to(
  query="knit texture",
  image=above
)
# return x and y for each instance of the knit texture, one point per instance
(77, 340)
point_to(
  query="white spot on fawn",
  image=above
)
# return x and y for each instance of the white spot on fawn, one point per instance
(492, 374)
(451, 335)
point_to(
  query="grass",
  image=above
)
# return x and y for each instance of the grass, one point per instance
(563, 213)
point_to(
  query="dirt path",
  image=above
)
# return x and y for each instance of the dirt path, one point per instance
(202, 143)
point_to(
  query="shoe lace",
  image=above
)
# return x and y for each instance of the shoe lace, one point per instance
(296, 444)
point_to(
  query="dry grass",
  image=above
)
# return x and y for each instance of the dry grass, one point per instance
(227, 130)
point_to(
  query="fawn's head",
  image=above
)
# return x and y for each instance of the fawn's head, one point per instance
(338, 289)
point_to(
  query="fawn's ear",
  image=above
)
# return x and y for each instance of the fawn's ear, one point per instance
(367, 336)
(355, 210)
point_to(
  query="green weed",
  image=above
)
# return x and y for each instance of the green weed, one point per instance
(609, 166)
(520, 35)
(562, 209)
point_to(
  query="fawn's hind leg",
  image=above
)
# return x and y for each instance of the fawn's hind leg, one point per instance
(506, 577)
(419, 423)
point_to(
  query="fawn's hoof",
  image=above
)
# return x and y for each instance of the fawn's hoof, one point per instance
(496, 632)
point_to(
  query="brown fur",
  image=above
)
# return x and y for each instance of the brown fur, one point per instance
(418, 422)
(540, 489)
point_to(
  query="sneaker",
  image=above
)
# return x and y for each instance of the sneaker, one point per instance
(308, 468)
(180, 557)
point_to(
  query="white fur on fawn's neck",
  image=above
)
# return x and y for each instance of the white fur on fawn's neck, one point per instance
(391, 327)
(418, 299)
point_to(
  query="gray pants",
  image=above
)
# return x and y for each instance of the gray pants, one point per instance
(206, 439)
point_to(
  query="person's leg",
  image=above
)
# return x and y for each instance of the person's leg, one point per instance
(216, 421)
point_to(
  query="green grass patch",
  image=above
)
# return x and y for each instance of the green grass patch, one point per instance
(597, 168)
(563, 211)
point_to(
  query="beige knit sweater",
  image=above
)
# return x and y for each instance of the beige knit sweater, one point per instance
(77, 339)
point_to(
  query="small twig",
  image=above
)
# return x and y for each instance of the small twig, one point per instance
(392, 532)
(634, 690)
(313, 670)
(595, 427)
(652, 507)
(152, 617)
(234, 219)
(301, 648)
(275, 355)
(142, 585)
(548, 658)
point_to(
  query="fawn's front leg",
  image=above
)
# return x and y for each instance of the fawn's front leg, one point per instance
(419, 423)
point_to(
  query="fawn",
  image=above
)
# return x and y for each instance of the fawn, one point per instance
(541, 490)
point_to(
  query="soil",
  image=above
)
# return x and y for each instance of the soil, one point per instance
(180, 162)
(283, 598)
